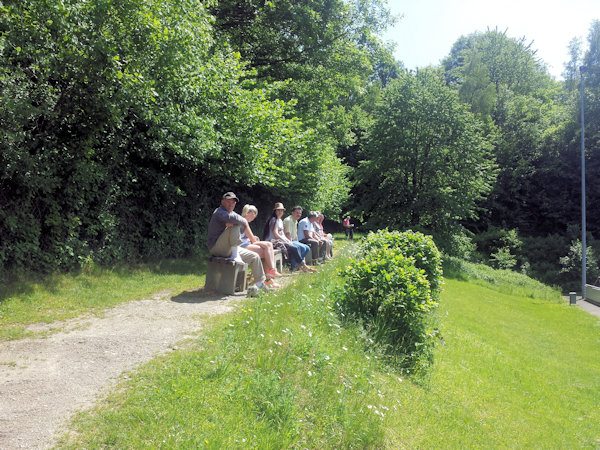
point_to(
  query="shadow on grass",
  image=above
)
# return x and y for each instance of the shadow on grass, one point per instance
(201, 295)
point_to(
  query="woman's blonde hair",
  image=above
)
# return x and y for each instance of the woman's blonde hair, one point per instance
(249, 209)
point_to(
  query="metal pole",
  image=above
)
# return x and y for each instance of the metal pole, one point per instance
(583, 232)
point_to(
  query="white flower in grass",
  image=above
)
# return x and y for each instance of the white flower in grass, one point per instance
(309, 373)
(231, 325)
(345, 349)
(338, 391)
(303, 327)
(262, 335)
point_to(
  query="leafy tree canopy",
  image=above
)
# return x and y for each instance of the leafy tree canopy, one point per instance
(427, 162)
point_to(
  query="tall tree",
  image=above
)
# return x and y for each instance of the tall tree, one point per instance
(427, 162)
(505, 83)
(323, 51)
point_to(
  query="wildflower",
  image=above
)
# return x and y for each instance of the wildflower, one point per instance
(309, 373)
(231, 325)
(344, 348)
(338, 391)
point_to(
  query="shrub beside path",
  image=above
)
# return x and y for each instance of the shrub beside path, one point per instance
(44, 381)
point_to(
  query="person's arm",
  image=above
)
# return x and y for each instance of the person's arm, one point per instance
(249, 234)
(313, 234)
(278, 234)
(230, 218)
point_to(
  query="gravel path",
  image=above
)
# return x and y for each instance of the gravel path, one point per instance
(44, 381)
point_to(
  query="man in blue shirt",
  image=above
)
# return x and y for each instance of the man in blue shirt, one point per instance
(306, 235)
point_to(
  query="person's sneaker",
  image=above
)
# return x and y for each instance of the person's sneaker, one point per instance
(272, 284)
(262, 286)
(306, 268)
(273, 273)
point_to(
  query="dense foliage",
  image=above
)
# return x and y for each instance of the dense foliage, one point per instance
(427, 162)
(392, 287)
(122, 120)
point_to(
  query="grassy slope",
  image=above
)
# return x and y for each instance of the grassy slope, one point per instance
(515, 371)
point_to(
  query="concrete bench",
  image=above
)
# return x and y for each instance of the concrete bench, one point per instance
(278, 260)
(592, 294)
(225, 276)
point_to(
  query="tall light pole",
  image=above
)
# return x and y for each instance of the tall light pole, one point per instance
(582, 69)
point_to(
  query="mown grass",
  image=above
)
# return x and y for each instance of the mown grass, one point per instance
(26, 299)
(283, 371)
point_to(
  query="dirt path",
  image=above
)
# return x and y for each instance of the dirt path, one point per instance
(44, 381)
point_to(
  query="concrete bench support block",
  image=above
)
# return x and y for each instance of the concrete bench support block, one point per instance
(225, 276)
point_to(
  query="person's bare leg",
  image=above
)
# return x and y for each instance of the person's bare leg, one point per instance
(268, 246)
(268, 265)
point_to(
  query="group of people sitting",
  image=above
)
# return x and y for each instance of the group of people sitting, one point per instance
(230, 236)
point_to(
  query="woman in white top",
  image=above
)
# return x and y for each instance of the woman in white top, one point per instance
(263, 248)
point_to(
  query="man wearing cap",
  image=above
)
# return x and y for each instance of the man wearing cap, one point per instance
(307, 236)
(223, 237)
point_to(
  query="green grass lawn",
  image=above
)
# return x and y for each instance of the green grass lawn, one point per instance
(26, 299)
(515, 370)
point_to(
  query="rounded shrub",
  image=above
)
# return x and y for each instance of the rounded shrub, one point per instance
(392, 298)
(411, 244)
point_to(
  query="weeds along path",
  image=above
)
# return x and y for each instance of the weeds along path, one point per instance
(44, 381)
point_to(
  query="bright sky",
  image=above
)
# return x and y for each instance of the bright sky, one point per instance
(429, 28)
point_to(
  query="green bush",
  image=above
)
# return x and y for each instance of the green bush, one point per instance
(415, 245)
(392, 289)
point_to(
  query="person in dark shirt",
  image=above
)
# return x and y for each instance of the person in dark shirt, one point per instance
(223, 238)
